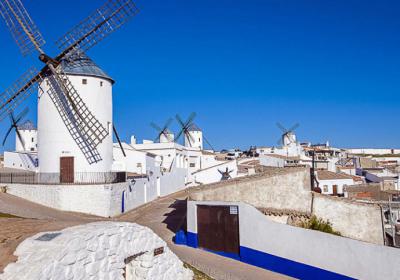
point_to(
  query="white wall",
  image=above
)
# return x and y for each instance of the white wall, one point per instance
(267, 160)
(336, 254)
(134, 162)
(212, 174)
(329, 184)
(373, 151)
(23, 161)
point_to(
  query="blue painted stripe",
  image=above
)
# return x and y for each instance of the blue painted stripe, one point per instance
(286, 266)
(191, 239)
(274, 263)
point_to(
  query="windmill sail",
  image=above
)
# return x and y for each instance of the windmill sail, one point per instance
(21, 26)
(97, 26)
(19, 91)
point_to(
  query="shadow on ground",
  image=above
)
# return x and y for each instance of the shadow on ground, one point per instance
(176, 219)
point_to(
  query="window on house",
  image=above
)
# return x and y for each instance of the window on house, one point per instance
(32, 139)
(32, 149)
(101, 83)
(192, 165)
(325, 188)
(139, 164)
(84, 81)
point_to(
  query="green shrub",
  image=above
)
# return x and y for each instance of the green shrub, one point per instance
(315, 223)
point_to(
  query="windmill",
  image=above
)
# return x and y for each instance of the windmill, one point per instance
(15, 122)
(225, 175)
(83, 126)
(288, 135)
(164, 135)
(193, 136)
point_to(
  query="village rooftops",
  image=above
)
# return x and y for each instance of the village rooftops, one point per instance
(329, 175)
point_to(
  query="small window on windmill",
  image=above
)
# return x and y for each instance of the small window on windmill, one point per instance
(84, 81)
(101, 83)
(192, 165)
(32, 140)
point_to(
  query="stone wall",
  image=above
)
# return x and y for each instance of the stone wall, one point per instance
(356, 220)
(276, 188)
(288, 189)
(102, 250)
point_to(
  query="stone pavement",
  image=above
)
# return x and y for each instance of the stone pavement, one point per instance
(163, 216)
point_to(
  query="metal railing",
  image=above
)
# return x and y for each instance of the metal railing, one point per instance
(78, 178)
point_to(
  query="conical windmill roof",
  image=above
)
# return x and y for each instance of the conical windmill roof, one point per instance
(193, 127)
(27, 125)
(167, 131)
(83, 65)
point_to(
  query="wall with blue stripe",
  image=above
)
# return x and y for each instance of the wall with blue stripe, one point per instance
(301, 253)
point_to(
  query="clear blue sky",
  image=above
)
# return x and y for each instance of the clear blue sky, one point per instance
(333, 66)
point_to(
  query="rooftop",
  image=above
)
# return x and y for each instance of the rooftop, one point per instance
(193, 127)
(27, 125)
(329, 175)
(83, 65)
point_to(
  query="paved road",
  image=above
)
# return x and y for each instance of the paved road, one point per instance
(163, 216)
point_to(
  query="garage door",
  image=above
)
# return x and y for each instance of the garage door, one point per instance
(218, 228)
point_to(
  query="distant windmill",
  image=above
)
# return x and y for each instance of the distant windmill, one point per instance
(164, 135)
(193, 134)
(288, 135)
(225, 175)
(15, 121)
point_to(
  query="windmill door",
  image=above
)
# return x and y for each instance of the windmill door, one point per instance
(66, 169)
(218, 228)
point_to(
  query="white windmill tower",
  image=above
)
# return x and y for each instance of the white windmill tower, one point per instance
(75, 95)
(193, 135)
(164, 135)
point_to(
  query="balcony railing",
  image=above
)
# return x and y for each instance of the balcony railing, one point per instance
(78, 178)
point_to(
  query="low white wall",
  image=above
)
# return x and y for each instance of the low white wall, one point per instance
(102, 250)
(267, 160)
(212, 174)
(91, 199)
(332, 253)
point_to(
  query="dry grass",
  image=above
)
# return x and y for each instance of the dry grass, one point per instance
(198, 275)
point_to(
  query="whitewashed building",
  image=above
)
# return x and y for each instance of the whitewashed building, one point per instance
(332, 183)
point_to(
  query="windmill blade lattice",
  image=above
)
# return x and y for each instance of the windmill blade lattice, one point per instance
(12, 97)
(97, 26)
(25, 33)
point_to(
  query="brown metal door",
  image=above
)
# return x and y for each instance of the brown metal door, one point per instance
(334, 189)
(66, 169)
(218, 228)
